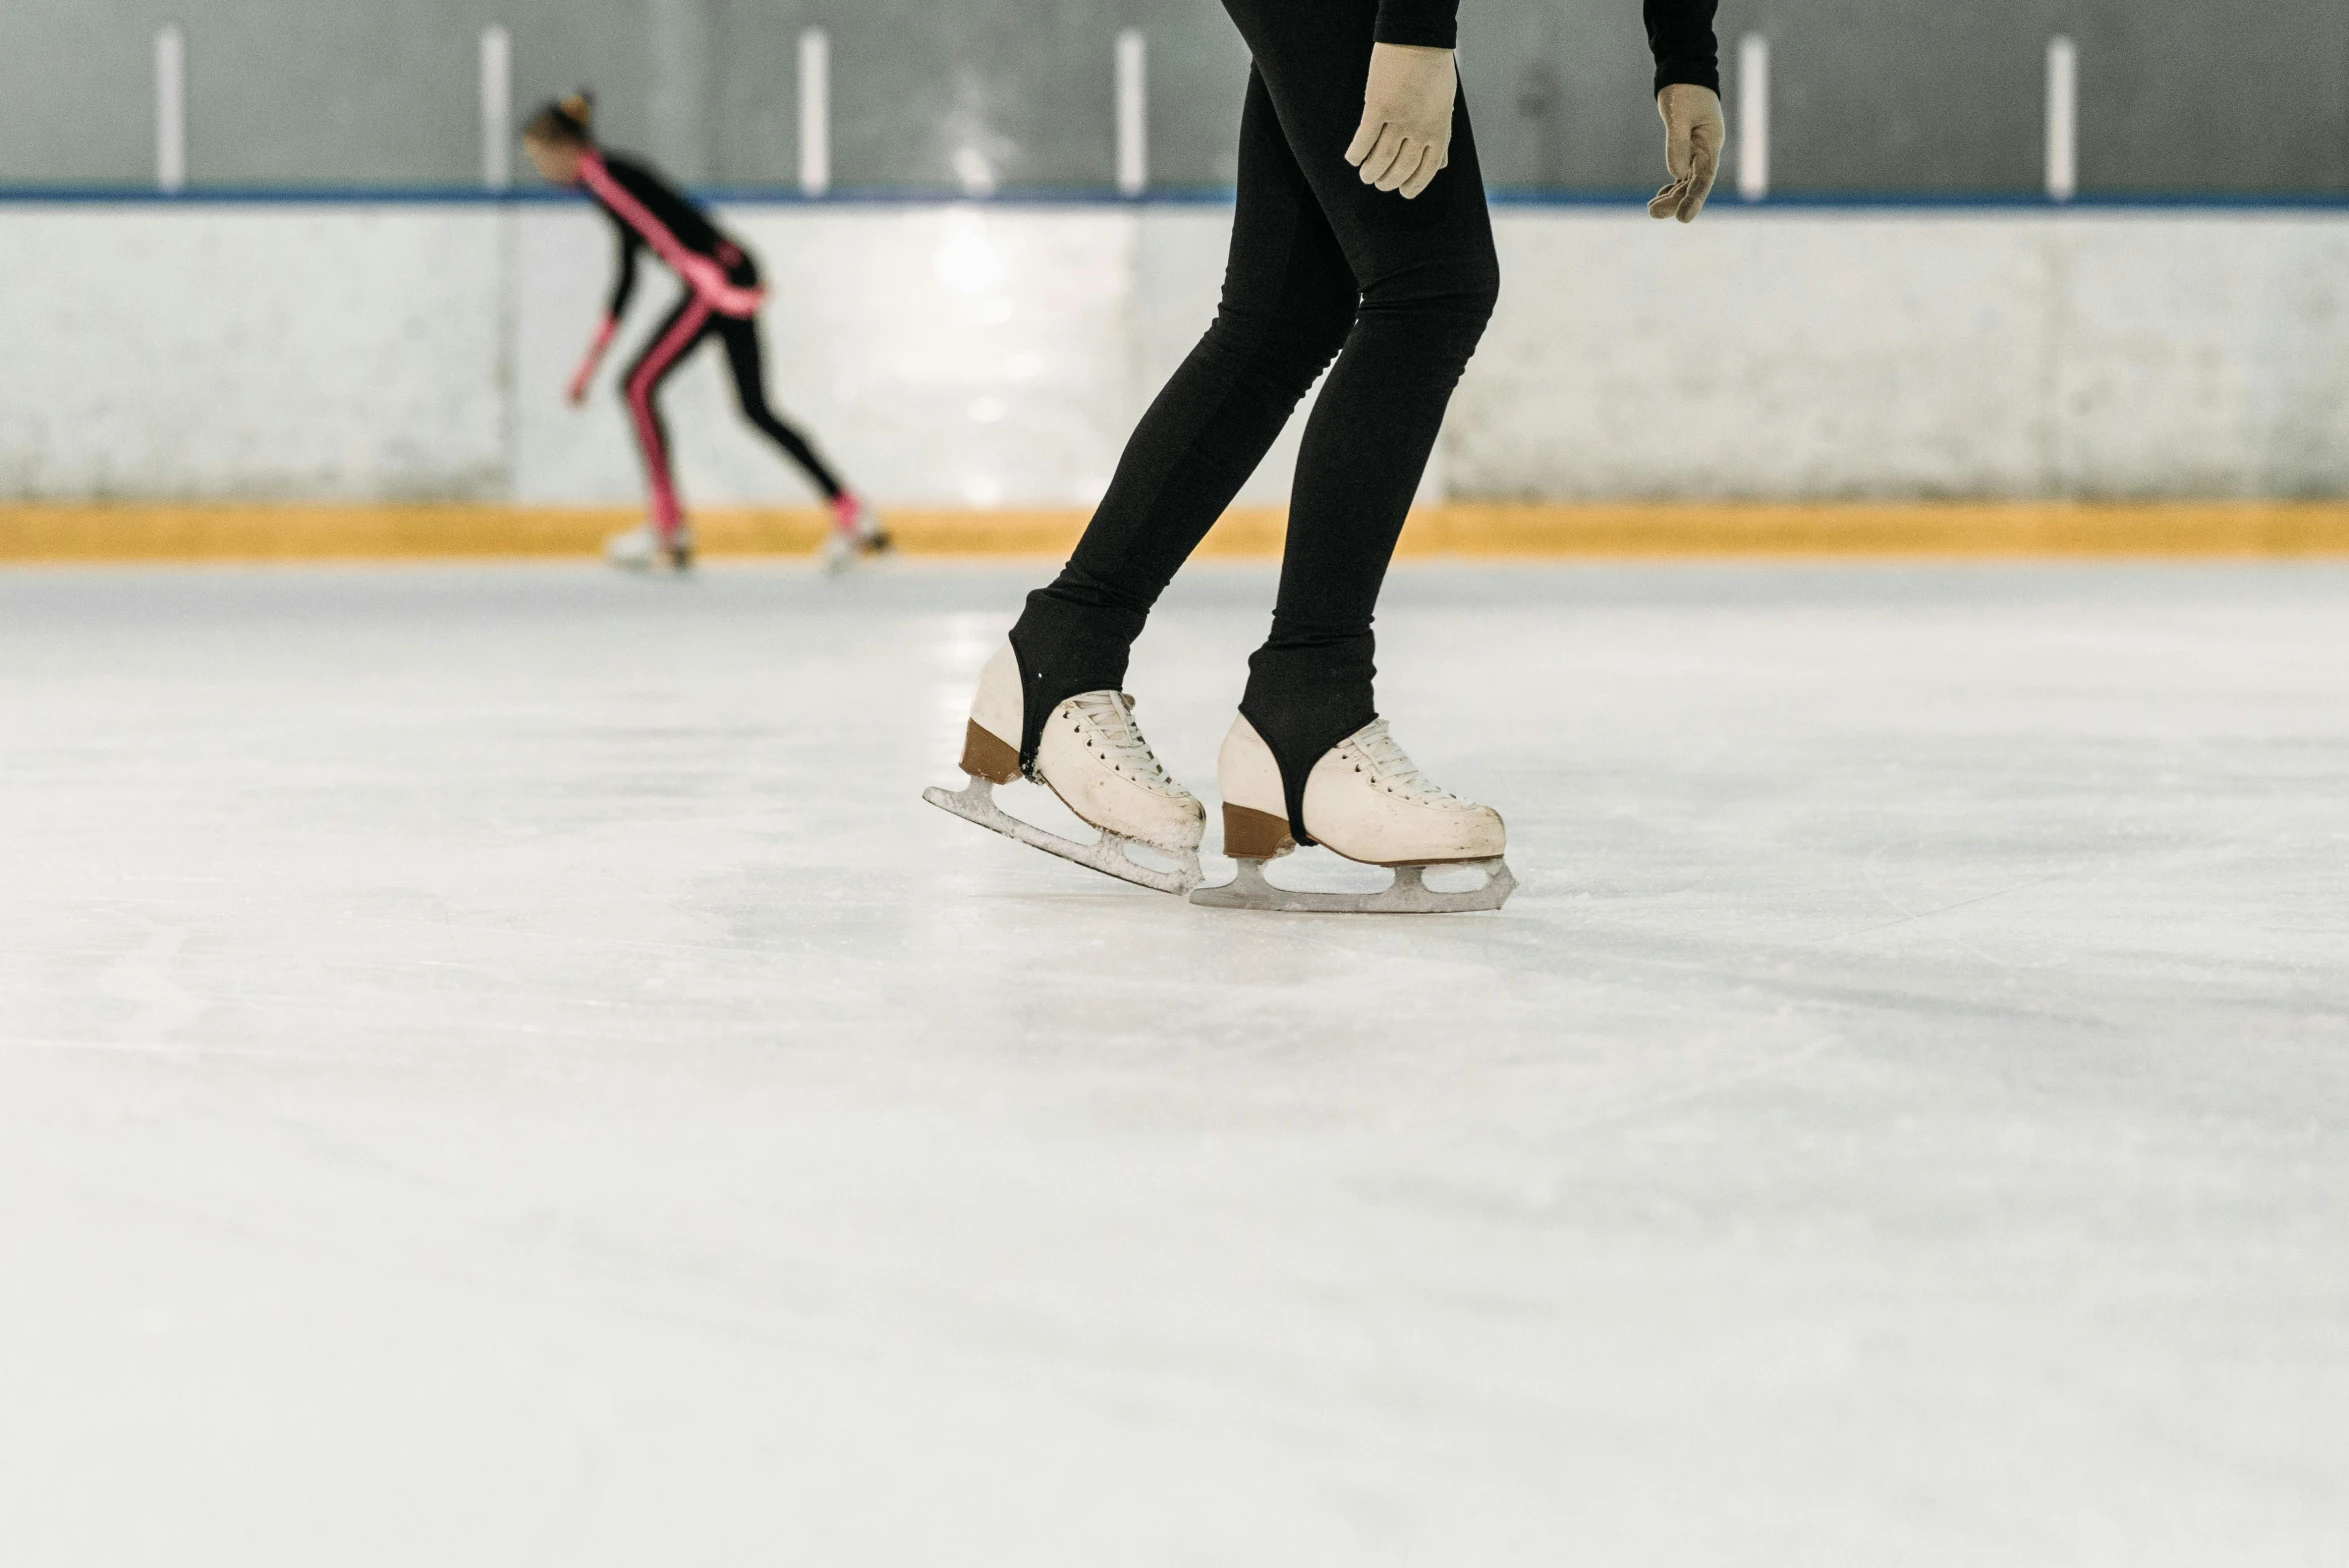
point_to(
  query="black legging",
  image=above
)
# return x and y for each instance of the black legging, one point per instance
(1320, 265)
(679, 333)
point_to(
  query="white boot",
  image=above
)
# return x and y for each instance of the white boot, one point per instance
(641, 549)
(1092, 755)
(856, 533)
(837, 553)
(1364, 800)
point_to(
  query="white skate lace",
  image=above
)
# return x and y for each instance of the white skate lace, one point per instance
(1393, 770)
(1112, 713)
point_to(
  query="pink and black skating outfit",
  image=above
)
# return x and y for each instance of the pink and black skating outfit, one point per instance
(722, 297)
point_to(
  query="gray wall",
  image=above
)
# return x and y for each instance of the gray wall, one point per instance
(1872, 95)
(2175, 95)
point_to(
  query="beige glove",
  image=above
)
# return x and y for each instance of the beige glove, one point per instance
(1693, 134)
(1406, 134)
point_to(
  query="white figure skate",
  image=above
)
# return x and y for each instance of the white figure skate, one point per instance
(855, 535)
(1367, 801)
(642, 548)
(1094, 758)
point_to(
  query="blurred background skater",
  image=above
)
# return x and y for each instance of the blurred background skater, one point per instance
(722, 297)
(1349, 239)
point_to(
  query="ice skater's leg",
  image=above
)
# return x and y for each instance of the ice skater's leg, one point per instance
(1429, 278)
(747, 362)
(640, 389)
(1288, 299)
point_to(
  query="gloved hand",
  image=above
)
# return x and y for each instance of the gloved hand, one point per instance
(1406, 134)
(594, 357)
(1693, 134)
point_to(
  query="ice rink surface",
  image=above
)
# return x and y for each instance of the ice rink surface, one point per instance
(499, 1067)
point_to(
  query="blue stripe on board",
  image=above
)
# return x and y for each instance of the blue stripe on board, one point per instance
(1792, 201)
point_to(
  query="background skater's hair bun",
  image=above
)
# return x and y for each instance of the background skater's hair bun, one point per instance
(570, 118)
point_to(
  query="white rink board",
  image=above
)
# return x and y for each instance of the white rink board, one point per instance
(965, 354)
(1793, 355)
(498, 1066)
(281, 351)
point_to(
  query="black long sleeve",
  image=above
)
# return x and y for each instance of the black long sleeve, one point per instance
(1680, 36)
(1431, 24)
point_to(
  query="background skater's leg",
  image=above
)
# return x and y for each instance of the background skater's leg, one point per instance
(855, 528)
(745, 359)
(640, 389)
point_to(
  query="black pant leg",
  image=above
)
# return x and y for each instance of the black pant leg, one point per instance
(748, 363)
(1429, 278)
(1308, 240)
(1288, 299)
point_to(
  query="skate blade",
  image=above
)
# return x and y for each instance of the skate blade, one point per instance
(975, 802)
(1408, 894)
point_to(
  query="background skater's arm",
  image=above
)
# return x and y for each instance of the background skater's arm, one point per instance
(592, 358)
(624, 274)
(1688, 96)
(623, 289)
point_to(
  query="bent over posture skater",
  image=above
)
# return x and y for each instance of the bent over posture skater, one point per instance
(1361, 233)
(722, 296)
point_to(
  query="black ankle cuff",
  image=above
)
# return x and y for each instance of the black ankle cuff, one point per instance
(1303, 701)
(1063, 649)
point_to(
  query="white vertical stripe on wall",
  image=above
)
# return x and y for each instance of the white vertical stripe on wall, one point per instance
(171, 108)
(1753, 117)
(1133, 113)
(815, 111)
(497, 109)
(2063, 119)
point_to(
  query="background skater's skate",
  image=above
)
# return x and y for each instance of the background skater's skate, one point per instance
(1367, 801)
(856, 534)
(1092, 756)
(647, 546)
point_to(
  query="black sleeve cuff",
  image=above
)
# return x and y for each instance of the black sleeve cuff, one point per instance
(1426, 24)
(1697, 73)
(1680, 36)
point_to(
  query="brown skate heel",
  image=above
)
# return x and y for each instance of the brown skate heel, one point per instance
(985, 756)
(1254, 835)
